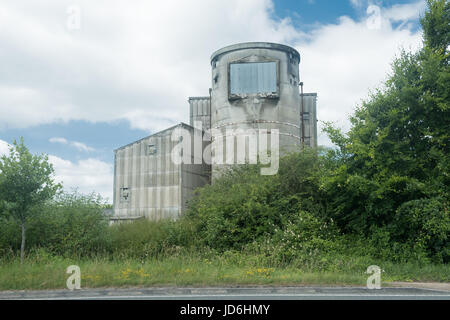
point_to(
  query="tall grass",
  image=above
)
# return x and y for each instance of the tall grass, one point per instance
(44, 271)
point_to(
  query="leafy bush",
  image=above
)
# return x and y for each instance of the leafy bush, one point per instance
(9, 237)
(236, 209)
(71, 225)
(144, 239)
(424, 223)
(305, 233)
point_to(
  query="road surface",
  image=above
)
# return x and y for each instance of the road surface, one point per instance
(236, 293)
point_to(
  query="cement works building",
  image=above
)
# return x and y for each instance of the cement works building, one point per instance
(254, 86)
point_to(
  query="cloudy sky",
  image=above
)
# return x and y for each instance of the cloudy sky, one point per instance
(81, 78)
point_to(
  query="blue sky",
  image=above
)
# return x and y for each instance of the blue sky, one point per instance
(312, 12)
(308, 13)
(77, 92)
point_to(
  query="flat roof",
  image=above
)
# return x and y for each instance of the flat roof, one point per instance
(198, 98)
(254, 45)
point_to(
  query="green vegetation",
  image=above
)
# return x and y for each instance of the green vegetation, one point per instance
(380, 198)
(25, 183)
(42, 270)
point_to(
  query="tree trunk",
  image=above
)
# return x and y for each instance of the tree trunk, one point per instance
(22, 246)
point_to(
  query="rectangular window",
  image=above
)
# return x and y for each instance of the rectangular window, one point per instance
(151, 149)
(253, 78)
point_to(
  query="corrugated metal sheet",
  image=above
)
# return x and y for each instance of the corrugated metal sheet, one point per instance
(157, 188)
(200, 110)
(310, 118)
(255, 77)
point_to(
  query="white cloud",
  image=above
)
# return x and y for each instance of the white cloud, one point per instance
(82, 147)
(141, 60)
(356, 3)
(58, 140)
(89, 175)
(4, 148)
(405, 12)
(78, 145)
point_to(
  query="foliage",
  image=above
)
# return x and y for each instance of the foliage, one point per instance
(26, 182)
(424, 223)
(394, 162)
(236, 209)
(143, 239)
(71, 225)
(435, 25)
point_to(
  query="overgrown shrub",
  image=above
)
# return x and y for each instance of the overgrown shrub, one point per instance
(9, 237)
(71, 225)
(145, 239)
(424, 223)
(236, 209)
(305, 234)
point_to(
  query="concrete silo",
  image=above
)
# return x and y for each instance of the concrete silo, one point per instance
(256, 86)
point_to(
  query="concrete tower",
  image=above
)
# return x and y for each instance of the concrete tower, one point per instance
(256, 86)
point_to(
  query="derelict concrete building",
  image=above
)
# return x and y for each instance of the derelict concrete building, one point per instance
(147, 183)
(254, 86)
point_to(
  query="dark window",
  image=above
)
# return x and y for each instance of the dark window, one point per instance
(151, 149)
(124, 194)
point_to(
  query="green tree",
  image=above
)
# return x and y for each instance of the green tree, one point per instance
(397, 149)
(435, 25)
(26, 182)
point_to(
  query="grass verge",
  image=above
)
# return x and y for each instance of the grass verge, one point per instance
(50, 273)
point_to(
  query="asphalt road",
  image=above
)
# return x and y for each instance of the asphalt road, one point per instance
(241, 293)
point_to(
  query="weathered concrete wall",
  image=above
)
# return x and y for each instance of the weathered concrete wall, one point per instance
(256, 111)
